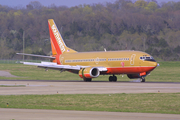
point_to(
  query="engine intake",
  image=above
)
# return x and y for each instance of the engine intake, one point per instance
(90, 72)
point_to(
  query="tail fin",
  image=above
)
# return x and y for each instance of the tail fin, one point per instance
(57, 43)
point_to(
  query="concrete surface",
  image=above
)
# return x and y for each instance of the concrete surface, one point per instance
(40, 87)
(30, 114)
(47, 87)
(6, 74)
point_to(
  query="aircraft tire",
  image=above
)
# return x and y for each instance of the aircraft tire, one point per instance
(114, 78)
(87, 79)
(143, 79)
(110, 78)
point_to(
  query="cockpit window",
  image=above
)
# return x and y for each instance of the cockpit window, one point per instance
(145, 58)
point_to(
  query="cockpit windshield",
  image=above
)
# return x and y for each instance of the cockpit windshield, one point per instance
(147, 58)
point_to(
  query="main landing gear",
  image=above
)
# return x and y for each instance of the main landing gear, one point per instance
(87, 79)
(112, 78)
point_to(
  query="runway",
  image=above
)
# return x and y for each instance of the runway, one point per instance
(78, 87)
(29, 114)
(48, 87)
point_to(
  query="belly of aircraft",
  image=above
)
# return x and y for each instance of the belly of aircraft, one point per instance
(129, 70)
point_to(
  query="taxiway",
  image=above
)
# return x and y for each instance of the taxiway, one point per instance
(79, 87)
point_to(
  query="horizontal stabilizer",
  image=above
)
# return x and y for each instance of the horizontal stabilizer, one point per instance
(33, 55)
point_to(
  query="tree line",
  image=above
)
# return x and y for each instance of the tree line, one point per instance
(121, 25)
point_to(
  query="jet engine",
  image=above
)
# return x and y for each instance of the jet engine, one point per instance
(89, 72)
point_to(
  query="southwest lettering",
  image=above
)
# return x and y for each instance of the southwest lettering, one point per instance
(58, 38)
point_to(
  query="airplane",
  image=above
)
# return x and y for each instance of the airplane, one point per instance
(88, 65)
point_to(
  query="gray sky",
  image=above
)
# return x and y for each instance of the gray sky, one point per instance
(69, 3)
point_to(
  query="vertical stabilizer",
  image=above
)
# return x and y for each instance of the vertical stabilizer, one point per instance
(57, 43)
(53, 49)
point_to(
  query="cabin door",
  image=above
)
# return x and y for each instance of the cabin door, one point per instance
(132, 59)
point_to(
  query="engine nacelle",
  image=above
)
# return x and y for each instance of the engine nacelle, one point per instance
(90, 72)
(133, 76)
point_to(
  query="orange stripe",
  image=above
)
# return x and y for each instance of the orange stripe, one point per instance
(80, 75)
(87, 75)
(53, 48)
(53, 38)
(129, 70)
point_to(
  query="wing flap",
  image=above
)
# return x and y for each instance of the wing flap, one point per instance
(53, 65)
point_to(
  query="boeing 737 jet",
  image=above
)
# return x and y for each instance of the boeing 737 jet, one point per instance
(88, 65)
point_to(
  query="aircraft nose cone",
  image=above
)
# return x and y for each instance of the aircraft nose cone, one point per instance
(154, 64)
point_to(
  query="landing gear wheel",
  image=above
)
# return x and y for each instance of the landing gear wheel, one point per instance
(143, 79)
(87, 79)
(112, 78)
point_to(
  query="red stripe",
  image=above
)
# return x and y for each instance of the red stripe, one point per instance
(80, 75)
(58, 59)
(87, 75)
(129, 70)
(53, 38)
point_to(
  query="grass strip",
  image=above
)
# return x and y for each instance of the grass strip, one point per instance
(166, 72)
(12, 85)
(142, 103)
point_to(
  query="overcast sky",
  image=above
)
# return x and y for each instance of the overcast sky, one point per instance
(69, 3)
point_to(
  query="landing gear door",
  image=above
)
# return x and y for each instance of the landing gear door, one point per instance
(132, 59)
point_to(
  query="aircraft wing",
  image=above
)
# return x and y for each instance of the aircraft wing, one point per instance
(52, 65)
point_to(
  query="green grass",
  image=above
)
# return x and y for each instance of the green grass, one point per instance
(26, 72)
(12, 86)
(166, 72)
(143, 103)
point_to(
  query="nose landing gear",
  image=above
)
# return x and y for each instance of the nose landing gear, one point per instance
(143, 79)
